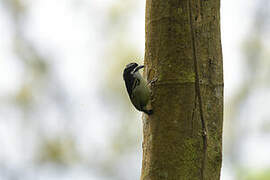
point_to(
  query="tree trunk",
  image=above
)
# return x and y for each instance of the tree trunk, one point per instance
(183, 138)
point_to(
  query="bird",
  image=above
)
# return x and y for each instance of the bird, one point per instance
(137, 88)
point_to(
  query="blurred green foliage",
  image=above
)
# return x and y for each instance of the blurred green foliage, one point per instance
(247, 174)
(255, 52)
(58, 150)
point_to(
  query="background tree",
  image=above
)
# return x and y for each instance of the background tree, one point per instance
(183, 139)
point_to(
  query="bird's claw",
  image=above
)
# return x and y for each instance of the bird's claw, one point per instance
(152, 81)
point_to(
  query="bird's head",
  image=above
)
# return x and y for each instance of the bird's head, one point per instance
(130, 68)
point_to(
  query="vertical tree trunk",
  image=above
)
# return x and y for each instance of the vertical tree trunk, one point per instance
(183, 138)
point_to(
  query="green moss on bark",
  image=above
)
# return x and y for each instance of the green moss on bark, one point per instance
(183, 138)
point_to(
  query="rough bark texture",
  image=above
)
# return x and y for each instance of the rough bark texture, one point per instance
(183, 138)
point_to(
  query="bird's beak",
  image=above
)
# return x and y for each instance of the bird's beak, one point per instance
(138, 68)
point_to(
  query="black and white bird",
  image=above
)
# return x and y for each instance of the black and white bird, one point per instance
(137, 88)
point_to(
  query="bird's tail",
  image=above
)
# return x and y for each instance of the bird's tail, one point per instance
(149, 112)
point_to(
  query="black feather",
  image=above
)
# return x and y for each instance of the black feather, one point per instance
(149, 112)
(129, 78)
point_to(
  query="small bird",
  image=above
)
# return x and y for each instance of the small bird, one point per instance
(137, 88)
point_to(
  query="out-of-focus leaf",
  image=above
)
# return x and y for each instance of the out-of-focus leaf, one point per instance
(59, 150)
(24, 95)
(254, 174)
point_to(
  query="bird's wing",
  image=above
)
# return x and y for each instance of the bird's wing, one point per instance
(136, 83)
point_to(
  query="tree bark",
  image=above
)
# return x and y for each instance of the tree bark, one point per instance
(183, 138)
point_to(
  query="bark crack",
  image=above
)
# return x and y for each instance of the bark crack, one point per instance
(193, 113)
(198, 92)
